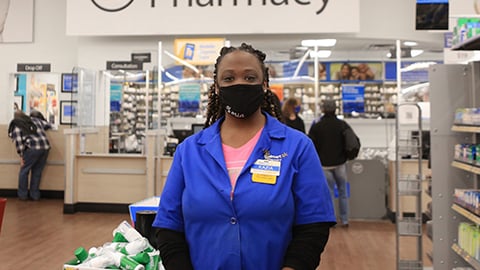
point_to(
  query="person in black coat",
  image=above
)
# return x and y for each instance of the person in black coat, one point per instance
(327, 136)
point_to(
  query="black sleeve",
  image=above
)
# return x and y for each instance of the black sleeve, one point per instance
(308, 242)
(173, 249)
(302, 125)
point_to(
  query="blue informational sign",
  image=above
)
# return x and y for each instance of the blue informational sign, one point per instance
(353, 98)
(189, 51)
(416, 76)
(189, 98)
(115, 97)
(171, 73)
(290, 67)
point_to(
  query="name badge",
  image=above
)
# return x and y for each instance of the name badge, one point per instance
(266, 167)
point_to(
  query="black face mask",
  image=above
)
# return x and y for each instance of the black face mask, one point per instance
(242, 100)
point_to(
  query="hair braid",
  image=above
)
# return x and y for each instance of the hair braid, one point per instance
(216, 110)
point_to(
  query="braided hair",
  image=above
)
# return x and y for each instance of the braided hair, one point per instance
(216, 110)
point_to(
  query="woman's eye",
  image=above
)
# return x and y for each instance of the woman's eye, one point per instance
(227, 79)
(250, 78)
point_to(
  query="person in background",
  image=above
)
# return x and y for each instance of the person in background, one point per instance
(356, 76)
(366, 72)
(246, 192)
(290, 110)
(344, 73)
(327, 136)
(28, 134)
(322, 72)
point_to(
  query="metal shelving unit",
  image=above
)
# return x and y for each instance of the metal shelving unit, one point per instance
(409, 146)
(452, 86)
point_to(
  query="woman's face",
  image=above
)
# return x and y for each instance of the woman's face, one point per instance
(354, 72)
(345, 70)
(239, 67)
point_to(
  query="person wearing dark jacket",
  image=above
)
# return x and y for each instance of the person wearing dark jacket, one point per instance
(290, 110)
(31, 142)
(327, 136)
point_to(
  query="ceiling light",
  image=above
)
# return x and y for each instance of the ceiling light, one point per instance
(416, 52)
(320, 53)
(410, 43)
(319, 42)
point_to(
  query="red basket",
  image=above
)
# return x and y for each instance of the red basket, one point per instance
(3, 202)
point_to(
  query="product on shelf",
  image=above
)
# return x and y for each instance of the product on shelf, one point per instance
(468, 153)
(468, 199)
(467, 116)
(468, 239)
(465, 29)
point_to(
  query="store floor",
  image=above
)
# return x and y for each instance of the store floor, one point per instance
(38, 235)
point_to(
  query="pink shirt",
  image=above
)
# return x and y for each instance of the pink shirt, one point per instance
(235, 158)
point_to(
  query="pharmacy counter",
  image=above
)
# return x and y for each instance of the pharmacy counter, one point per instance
(105, 182)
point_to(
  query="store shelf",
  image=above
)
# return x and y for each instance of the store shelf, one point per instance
(462, 253)
(470, 44)
(463, 128)
(455, 86)
(466, 167)
(466, 213)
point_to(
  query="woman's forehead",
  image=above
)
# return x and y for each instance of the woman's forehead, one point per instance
(240, 60)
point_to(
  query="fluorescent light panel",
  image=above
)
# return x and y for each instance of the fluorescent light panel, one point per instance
(328, 42)
(410, 43)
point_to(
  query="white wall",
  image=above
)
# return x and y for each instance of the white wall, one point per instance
(378, 19)
(50, 45)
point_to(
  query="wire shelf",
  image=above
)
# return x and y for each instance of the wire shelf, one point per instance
(407, 265)
(411, 226)
(409, 185)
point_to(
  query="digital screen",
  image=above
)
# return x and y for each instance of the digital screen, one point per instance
(431, 15)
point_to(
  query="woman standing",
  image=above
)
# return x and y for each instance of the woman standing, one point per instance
(246, 192)
(290, 110)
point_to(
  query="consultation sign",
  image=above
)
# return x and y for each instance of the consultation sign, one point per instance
(124, 65)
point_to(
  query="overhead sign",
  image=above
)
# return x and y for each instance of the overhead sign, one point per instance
(33, 67)
(124, 65)
(142, 57)
(197, 17)
(198, 51)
